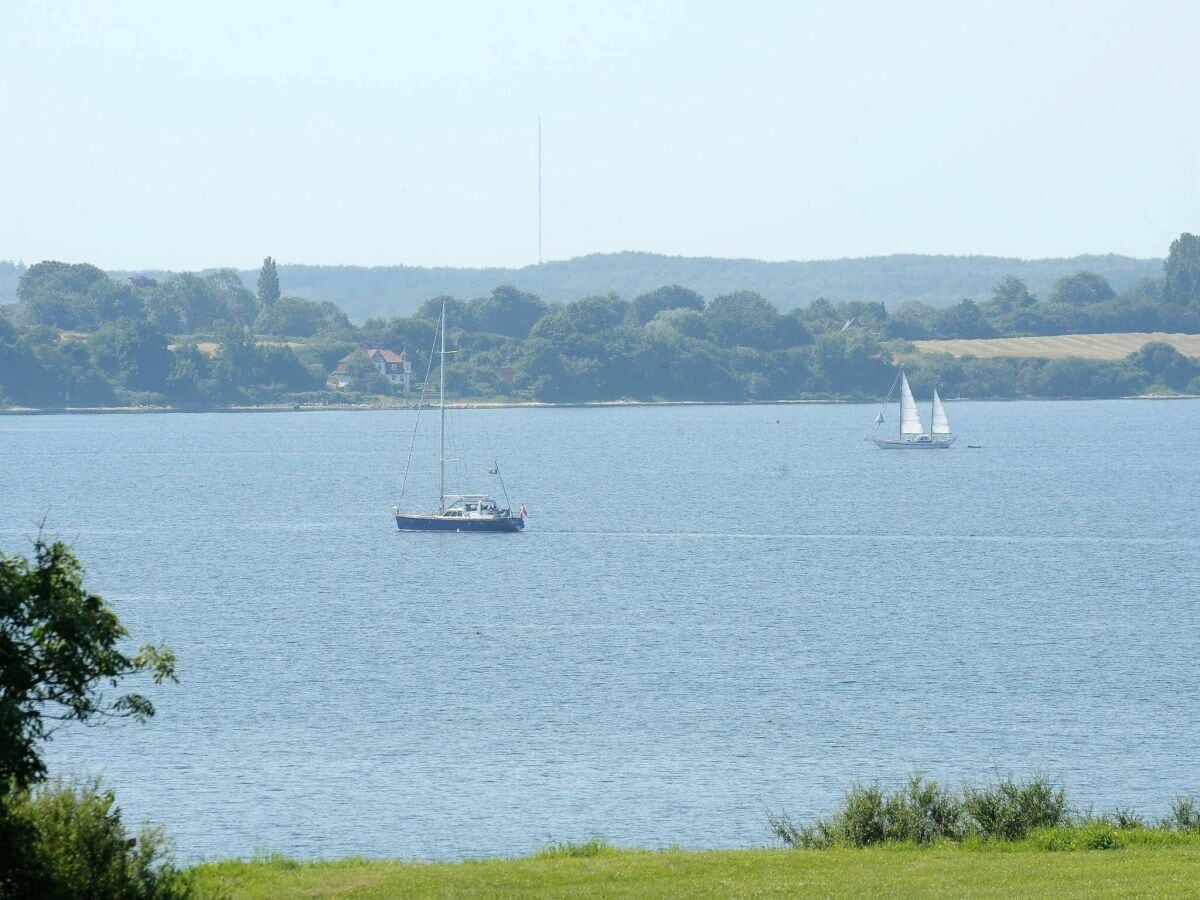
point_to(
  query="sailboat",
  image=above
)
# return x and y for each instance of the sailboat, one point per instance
(459, 512)
(912, 435)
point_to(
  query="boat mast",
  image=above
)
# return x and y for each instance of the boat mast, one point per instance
(932, 401)
(442, 407)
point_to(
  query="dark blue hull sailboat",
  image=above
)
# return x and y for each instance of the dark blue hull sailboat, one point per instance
(452, 520)
(459, 512)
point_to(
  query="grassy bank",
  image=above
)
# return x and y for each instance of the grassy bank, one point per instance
(1150, 863)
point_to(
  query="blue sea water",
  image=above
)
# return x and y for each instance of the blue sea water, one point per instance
(714, 611)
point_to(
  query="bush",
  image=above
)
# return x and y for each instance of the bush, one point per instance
(921, 812)
(71, 843)
(1183, 815)
(1010, 809)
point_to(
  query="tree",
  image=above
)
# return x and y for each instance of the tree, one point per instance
(964, 320)
(1010, 295)
(268, 283)
(1081, 289)
(672, 296)
(292, 317)
(364, 376)
(238, 303)
(508, 311)
(133, 352)
(1181, 284)
(745, 319)
(1165, 364)
(58, 651)
(684, 322)
(59, 294)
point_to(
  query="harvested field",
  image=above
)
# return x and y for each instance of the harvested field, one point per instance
(1087, 346)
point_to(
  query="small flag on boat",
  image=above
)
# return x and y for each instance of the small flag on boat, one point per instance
(879, 419)
(521, 512)
(495, 469)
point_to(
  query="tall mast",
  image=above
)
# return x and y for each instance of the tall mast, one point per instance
(932, 400)
(539, 167)
(442, 407)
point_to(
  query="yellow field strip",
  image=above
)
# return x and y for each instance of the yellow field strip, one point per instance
(1087, 346)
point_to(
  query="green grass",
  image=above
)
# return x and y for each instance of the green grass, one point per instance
(1138, 863)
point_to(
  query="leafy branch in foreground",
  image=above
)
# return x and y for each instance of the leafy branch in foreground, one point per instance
(59, 655)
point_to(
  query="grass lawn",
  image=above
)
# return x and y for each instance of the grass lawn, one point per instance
(1087, 346)
(1148, 870)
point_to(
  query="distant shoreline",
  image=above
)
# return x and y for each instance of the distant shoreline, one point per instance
(530, 404)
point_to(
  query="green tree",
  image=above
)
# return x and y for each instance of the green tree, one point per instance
(963, 320)
(59, 294)
(189, 371)
(672, 296)
(235, 299)
(135, 353)
(1165, 364)
(1010, 295)
(1181, 282)
(364, 375)
(59, 647)
(745, 319)
(238, 364)
(508, 311)
(913, 321)
(268, 283)
(688, 323)
(1081, 289)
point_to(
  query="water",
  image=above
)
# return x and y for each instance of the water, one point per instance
(714, 611)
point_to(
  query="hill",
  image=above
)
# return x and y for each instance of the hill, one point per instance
(386, 291)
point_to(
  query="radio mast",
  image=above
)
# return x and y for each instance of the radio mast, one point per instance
(539, 190)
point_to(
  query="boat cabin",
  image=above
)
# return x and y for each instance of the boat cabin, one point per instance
(472, 506)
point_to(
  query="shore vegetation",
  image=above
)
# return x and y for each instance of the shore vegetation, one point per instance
(78, 337)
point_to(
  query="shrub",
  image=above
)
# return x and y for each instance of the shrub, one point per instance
(72, 843)
(1008, 809)
(921, 812)
(1183, 815)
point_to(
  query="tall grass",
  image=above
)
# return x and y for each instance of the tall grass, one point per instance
(924, 812)
(572, 849)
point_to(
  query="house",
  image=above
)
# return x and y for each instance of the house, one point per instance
(395, 367)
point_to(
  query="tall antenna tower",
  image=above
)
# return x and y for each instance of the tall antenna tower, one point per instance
(539, 190)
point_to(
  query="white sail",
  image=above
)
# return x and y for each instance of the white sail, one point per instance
(941, 425)
(910, 419)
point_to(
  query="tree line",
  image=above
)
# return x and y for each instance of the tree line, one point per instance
(78, 337)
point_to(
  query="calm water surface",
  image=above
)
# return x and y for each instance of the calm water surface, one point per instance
(714, 610)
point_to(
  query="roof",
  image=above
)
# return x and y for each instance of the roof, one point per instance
(389, 356)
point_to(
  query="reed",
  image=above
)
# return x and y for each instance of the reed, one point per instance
(923, 812)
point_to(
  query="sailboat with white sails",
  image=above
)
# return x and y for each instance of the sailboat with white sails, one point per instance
(457, 512)
(912, 434)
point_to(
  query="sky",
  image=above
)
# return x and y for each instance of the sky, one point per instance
(189, 135)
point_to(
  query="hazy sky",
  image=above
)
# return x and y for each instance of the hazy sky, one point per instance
(184, 135)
